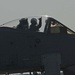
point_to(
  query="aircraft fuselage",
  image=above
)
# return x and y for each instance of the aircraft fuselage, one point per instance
(23, 50)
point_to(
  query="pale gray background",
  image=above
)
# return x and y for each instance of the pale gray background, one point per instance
(62, 10)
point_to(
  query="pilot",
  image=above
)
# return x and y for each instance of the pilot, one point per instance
(23, 24)
(34, 26)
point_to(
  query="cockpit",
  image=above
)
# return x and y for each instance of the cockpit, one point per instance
(44, 24)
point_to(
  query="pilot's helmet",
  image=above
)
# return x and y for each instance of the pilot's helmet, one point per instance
(34, 20)
(22, 20)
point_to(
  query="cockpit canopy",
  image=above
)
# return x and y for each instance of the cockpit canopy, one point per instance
(46, 25)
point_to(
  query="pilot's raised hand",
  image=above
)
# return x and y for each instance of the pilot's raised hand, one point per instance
(40, 18)
(40, 22)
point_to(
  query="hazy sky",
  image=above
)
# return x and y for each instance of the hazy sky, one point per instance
(62, 10)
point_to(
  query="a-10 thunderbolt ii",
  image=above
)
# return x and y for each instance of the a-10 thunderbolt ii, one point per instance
(24, 41)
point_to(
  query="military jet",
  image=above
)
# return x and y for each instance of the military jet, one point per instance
(23, 41)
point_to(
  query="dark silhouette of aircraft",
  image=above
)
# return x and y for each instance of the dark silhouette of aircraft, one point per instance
(21, 50)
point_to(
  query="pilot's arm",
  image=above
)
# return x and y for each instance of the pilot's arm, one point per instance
(40, 22)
